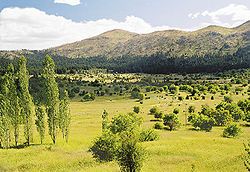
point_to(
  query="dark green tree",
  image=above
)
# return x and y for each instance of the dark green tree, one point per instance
(40, 122)
(52, 97)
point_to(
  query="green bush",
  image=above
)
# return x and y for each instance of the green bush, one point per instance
(136, 109)
(172, 121)
(148, 135)
(158, 126)
(153, 110)
(232, 130)
(105, 147)
(158, 115)
(202, 122)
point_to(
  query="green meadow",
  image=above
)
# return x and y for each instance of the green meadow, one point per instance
(182, 150)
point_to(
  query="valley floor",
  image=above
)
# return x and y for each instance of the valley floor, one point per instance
(181, 150)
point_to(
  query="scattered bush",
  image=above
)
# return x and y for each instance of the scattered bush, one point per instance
(148, 135)
(158, 126)
(172, 121)
(232, 130)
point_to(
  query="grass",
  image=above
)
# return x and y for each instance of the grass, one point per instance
(181, 150)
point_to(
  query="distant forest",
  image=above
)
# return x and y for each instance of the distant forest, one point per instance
(155, 64)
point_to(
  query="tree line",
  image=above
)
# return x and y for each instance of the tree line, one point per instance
(17, 107)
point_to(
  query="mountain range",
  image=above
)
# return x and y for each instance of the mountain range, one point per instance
(132, 49)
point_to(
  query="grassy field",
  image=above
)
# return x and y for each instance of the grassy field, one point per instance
(181, 150)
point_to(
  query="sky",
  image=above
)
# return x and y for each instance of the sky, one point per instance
(41, 24)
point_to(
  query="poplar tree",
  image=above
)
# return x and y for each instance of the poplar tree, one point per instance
(52, 97)
(40, 122)
(12, 103)
(105, 120)
(27, 105)
(5, 123)
(64, 117)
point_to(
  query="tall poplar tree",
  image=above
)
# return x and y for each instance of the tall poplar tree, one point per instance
(105, 120)
(52, 96)
(64, 117)
(5, 123)
(27, 106)
(12, 102)
(40, 122)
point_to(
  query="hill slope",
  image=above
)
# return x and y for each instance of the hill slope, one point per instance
(209, 41)
(210, 49)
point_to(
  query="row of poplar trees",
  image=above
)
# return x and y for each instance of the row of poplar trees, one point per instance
(18, 110)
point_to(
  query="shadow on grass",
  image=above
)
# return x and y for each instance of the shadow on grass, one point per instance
(22, 146)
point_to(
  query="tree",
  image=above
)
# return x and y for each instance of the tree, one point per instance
(130, 122)
(64, 116)
(25, 98)
(153, 110)
(40, 122)
(191, 109)
(52, 97)
(105, 147)
(105, 120)
(202, 122)
(136, 109)
(176, 111)
(121, 142)
(158, 115)
(5, 122)
(247, 160)
(12, 100)
(131, 154)
(232, 130)
(172, 121)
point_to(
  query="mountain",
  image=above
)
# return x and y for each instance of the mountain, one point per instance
(209, 41)
(209, 49)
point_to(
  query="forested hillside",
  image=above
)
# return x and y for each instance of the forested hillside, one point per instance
(209, 49)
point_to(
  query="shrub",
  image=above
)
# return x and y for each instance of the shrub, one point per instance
(136, 109)
(88, 97)
(172, 121)
(153, 110)
(131, 154)
(191, 109)
(105, 147)
(176, 111)
(232, 130)
(158, 115)
(228, 99)
(148, 135)
(158, 126)
(126, 122)
(202, 122)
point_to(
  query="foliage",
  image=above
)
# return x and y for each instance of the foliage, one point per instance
(129, 122)
(52, 97)
(202, 122)
(40, 122)
(25, 98)
(172, 121)
(64, 116)
(105, 147)
(105, 121)
(158, 115)
(136, 109)
(131, 154)
(247, 159)
(158, 126)
(148, 135)
(231, 130)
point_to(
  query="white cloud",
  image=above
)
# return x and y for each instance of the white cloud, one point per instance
(30, 28)
(69, 2)
(229, 16)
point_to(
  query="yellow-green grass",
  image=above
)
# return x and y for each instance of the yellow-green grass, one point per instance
(181, 150)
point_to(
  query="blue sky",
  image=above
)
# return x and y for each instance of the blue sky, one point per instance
(46, 23)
